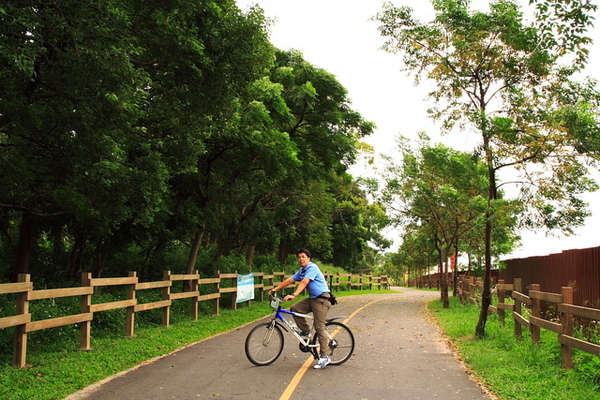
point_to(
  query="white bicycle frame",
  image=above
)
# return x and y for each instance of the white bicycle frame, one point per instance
(279, 318)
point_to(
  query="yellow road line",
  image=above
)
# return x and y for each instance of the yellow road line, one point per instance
(296, 379)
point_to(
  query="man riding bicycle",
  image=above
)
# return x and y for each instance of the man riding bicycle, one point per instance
(310, 276)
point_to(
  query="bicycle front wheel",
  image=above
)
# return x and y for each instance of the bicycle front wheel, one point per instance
(264, 344)
(341, 344)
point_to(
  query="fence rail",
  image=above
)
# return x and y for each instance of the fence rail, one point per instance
(535, 302)
(216, 286)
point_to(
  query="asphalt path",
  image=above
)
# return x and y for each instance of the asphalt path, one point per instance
(399, 354)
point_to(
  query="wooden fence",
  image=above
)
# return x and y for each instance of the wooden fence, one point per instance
(527, 312)
(360, 281)
(216, 286)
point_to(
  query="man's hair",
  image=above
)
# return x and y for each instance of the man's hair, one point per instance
(307, 252)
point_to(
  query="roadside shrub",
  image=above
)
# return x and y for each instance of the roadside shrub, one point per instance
(586, 363)
(267, 264)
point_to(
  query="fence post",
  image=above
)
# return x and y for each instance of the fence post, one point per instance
(518, 282)
(463, 290)
(261, 284)
(166, 311)
(472, 286)
(130, 317)
(234, 294)
(20, 348)
(536, 312)
(194, 288)
(567, 329)
(217, 289)
(86, 307)
(501, 296)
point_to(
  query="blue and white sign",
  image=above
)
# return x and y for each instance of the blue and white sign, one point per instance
(245, 288)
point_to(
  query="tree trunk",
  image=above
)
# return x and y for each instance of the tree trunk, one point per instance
(486, 298)
(444, 279)
(455, 271)
(24, 246)
(443, 276)
(75, 263)
(191, 264)
(486, 295)
(195, 248)
(469, 263)
(101, 255)
(444, 282)
(58, 253)
(282, 254)
(250, 250)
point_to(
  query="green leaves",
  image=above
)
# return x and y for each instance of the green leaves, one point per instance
(497, 73)
(563, 25)
(442, 192)
(494, 72)
(132, 132)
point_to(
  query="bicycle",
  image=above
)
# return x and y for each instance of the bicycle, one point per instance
(265, 341)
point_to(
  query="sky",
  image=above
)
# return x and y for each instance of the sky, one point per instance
(341, 37)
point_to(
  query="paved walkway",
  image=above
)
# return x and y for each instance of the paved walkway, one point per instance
(399, 354)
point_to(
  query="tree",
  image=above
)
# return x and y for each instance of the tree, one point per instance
(356, 225)
(325, 131)
(416, 254)
(104, 105)
(501, 76)
(272, 176)
(138, 135)
(61, 128)
(441, 192)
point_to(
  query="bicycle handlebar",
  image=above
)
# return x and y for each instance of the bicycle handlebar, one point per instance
(275, 300)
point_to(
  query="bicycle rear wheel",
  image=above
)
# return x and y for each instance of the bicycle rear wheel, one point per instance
(264, 344)
(341, 346)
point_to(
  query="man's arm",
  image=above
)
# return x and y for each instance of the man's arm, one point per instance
(303, 283)
(282, 285)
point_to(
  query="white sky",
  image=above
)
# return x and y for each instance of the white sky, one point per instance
(338, 36)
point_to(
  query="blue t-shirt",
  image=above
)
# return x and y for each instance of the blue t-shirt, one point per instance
(317, 284)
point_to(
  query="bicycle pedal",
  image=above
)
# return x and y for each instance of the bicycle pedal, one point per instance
(304, 348)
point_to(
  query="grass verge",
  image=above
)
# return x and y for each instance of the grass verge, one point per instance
(516, 368)
(53, 375)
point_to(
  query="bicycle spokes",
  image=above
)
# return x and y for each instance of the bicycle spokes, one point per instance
(264, 344)
(268, 336)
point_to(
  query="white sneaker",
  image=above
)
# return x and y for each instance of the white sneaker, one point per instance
(322, 363)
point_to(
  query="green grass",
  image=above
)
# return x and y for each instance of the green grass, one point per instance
(513, 368)
(58, 369)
